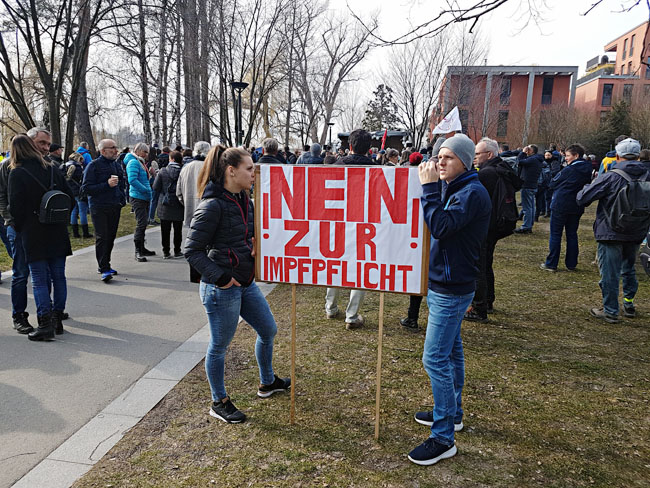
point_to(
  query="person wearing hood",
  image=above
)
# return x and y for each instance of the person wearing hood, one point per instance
(74, 174)
(617, 251)
(270, 147)
(140, 195)
(490, 169)
(83, 150)
(457, 213)
(565, 212)
(220, 246)
(311, 157)
(170, 209)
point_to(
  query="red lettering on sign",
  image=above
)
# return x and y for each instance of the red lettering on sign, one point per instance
(365, 234)
(415, 218)
(276, 269)
(265, 213)
(397, 204)
(359, 275)
(366, 275)
(405, 270)
(289, 264)
(387, 276)
(345, 283)
(356, 191)
(319, 194)
(280, 189)
(265, 276)
(303, 267)
(331, 270)
(339, 239)
(318, 265)
(302, 228)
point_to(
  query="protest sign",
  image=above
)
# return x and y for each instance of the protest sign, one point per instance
(341, 226)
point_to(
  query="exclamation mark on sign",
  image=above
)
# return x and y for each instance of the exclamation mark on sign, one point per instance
(415, 221)
(265, 214)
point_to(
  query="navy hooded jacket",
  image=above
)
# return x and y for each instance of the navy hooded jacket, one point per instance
(529, 170)
(458, 217)
(566, 185)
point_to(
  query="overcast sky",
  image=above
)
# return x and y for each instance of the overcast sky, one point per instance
(565, 37)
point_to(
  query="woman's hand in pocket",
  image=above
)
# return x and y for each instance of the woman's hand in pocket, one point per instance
(233, 282)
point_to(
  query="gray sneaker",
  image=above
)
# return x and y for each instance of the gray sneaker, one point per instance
(355, 324)
(628, 309)
(601, 314)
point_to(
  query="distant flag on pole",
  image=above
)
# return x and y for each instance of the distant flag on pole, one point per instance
(383, 139)
(451, 123)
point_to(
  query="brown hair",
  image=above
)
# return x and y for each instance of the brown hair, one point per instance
(22, 147)
(215, 164)
(176, 156)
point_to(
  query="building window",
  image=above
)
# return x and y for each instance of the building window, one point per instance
(629, 68)
(647, 69)
(464, 119)
(547, 90)
(502, 123)
(632, 45)
(606, 101)
(624, 48)
(506, 87)
(463, 94)
(646, 91)
(627, 93)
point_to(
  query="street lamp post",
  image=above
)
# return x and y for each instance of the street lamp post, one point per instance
(239, 86)
(330, 124)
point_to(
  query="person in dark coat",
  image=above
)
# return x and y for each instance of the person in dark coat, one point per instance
(46, 245)
(530, 167)
(170, 209)
(220, 245)
(270, 147)
(74, 174)
(565, 212)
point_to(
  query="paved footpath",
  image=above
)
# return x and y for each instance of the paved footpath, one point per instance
(64, 404)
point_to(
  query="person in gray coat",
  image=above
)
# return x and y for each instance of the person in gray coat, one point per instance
(170, 209)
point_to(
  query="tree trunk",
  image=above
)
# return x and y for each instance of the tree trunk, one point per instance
(144, 79)
(158, 97)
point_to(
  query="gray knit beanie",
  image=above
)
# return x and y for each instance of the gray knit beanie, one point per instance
(463, 147)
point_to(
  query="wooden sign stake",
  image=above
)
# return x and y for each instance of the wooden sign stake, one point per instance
(292, 414)
(379, 348)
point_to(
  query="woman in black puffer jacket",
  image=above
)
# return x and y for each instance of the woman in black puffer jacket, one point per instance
(220, 246)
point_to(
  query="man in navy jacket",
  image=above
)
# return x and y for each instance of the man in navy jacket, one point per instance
(530, 166)
(458, 216)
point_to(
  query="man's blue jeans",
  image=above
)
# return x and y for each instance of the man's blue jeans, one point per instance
(80, 210)
(48, 274)
(528, 207)
(223, 307)
(20, 272)
(616, 260)
(444, 362)
(563, 222)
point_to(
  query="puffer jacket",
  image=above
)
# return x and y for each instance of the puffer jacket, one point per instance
(138, 178)
(604, 189)
(566, 185)
(219, 242)
(165, 177)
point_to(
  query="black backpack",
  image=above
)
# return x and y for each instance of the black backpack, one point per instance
(55, 204)
(170, 199)
(630, 212)
(504, 207)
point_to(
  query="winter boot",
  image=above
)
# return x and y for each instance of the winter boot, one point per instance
(45, 330)
(21, 324)
(57, 317)
(139, 256)
(146, 252)
(86, 232)
(75, 230)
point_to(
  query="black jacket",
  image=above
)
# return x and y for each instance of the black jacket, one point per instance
(529, 170)
(356, 159)
(95, 183)
(219, 242)
(4, 192)
(270, 159)
(164, 179)
(566, 186)
(489, 175)
(40, 241)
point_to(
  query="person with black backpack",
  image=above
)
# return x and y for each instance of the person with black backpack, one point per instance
(501, 183)
(170, 209)
(40, 201)
(622, 221)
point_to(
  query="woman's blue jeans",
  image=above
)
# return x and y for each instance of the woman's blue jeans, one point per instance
(223, 307)
(80, 210)
(568, 223)
(48, 274)
(444, 361)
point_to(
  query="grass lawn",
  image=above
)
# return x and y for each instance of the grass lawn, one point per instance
(552, 397)
(127, 226)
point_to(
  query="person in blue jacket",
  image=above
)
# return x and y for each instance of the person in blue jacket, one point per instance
(140, 196)
(83, 150)
(458, 216)
(565, 212)
(530, 167)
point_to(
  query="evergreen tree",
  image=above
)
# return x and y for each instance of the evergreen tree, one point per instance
(382, 111)
(617, 122)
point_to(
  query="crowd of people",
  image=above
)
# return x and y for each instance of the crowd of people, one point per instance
(468, 202)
